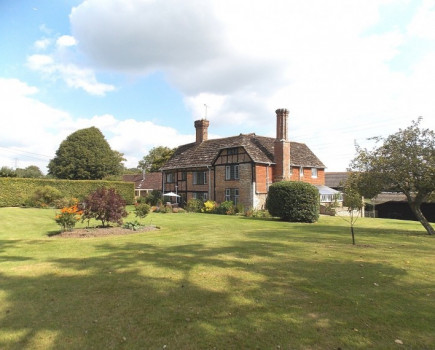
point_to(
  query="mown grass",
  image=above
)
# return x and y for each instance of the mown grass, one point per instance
(225, 282)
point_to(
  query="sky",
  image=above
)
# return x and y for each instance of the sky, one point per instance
(142, 71)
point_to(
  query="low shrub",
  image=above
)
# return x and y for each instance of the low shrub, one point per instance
(153, 198)
(257, 213)
(225, 208)
(293, 201)
(194, 205)
(68, 217)
(141, 210)
(133, 225)
(43, 197)
(209, 207)
(105, 205)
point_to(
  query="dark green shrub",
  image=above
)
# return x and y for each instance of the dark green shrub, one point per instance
(293, 201)
(43, 197)
(194, 205)
(154, 198)
(105, 205)
(141, 210)
(225, 208)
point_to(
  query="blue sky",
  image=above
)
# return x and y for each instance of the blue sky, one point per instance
(142, 70)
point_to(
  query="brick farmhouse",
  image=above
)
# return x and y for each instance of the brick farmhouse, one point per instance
(239, 168)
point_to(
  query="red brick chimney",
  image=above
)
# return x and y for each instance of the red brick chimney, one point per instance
(282, 147)
(201, 127)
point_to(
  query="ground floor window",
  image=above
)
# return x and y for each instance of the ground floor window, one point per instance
(232, 194)
(200, 195)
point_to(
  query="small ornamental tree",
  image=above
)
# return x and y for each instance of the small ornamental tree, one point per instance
(293, 201)
(353, 201)
(105, 205)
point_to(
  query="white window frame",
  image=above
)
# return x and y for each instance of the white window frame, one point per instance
(301, 171)
(197, 175)
(170, 178)
(232, 194)
(232, 172)
(314, 173)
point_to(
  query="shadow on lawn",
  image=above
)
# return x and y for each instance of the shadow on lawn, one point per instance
(247, 295)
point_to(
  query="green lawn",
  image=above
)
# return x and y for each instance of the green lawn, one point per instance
(217, 282)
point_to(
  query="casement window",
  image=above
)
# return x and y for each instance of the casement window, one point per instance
(183, 176)
(199, 177)
(170, 178)
(200, 195)
(231, 151)
(232, 194)
(232, 172)
(314, 173)
(301, 172)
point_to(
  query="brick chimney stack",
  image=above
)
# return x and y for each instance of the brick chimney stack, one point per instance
(282, 147)
(201, 127)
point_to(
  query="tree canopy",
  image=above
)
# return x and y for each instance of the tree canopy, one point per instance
(7, 172)
(32, 171)
(404, 161)
(156, 158)
(85, 155)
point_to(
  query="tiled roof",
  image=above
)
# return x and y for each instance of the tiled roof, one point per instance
(259, 148)
(335, 179)
(151, 181)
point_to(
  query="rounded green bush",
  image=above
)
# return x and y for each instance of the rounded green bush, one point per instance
(293, 201)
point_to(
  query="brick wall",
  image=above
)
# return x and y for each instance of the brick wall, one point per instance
(261, 177)
(244, 184)
(320, 180)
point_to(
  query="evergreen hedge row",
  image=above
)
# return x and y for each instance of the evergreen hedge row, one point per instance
(15, 191)
(293, 201)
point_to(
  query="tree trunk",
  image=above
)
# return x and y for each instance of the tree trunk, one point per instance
(353, 235)
(415, 207)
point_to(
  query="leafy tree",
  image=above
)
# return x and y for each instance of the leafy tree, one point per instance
(155, 159)
(105, 205)
(404, 161)
(352, 199)
(85, 155)
(32, 171)
(7, 172)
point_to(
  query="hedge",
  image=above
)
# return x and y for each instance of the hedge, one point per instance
(293, 201)
(15, 191)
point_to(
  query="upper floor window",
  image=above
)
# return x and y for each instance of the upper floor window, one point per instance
(314, 172)
(199, 177)
(233, 150)
(170, 178)
(183, 176)
(301, 172)
(232, 172)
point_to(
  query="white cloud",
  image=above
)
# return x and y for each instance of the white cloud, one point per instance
(246, 58)
(423, 23)
(34, 130)
(73, 75)
(66, 41)
(42, 44)
(243, 59)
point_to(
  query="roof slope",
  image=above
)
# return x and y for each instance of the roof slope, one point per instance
(151, 181)
(259, 148)
(336, 179)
